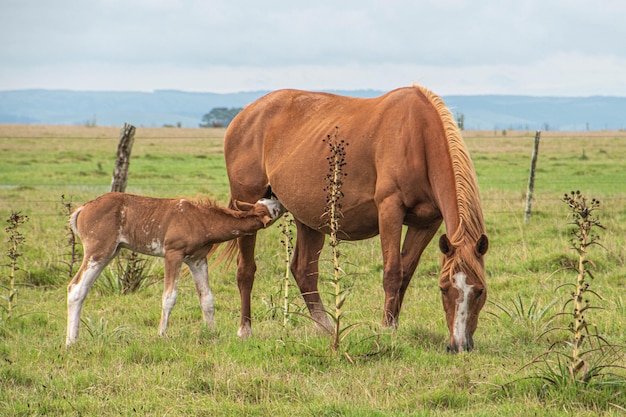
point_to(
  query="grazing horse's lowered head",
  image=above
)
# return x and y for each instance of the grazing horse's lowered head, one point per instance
(463, 289)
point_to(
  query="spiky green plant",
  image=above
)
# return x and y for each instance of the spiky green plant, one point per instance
(127, 274)
(583, 237)
(590, 355)
(100, 332)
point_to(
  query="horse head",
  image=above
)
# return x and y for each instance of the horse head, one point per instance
(272, 209)
(463, 288)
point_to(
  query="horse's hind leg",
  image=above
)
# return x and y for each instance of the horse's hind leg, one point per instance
(304, 268)
(77, 291)
(199, 272)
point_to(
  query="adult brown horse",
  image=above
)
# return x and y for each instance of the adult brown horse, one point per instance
(406, 164)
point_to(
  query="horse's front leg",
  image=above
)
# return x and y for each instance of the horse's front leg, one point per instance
(246, 268)
(173, 262)
(414, 244)
(304, 267)
(200, 275)
(390, 217)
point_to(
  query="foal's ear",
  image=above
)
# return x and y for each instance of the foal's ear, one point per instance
(267, 220)
(482, 245)
(242, 205)
(445, 246)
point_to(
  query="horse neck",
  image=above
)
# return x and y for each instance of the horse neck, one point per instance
(225, 223)
(455, 191)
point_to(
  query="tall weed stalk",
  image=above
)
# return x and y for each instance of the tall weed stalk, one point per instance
(286, 232)
(583, 238)
(15, 239)
(334, 194)
(71, 239)
(587, 355)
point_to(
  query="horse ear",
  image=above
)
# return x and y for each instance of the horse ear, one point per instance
(242, 205)
(482, 245)
(267, 220)
(445, 246)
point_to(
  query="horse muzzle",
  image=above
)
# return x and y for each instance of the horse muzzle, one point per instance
(458, 345)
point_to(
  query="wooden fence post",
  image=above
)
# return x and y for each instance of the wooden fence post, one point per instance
(132, 274)
(531, 177)
(120, 174)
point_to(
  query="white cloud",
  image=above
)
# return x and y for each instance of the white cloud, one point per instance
(540, 47)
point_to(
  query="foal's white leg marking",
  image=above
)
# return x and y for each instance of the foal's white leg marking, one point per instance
(200, 275)
(76, 295)
(462, 308)
(169, 299)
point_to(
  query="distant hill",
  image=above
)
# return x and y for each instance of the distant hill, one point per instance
(170, 107)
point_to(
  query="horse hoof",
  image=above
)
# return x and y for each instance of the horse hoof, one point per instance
(244, 331)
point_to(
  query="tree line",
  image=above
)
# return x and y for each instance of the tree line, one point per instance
(220, 117)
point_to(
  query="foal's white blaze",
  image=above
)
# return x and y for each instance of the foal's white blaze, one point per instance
(462, 308)
(274, 207)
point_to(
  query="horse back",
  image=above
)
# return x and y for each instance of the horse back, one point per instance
(140, 223)
(280, 140)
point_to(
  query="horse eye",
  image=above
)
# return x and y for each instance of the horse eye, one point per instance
(479, 293)
(443, 290)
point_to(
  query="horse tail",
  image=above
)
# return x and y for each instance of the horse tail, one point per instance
(227, 255)
(230, 250)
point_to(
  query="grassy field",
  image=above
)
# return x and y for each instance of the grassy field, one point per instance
(120, 366)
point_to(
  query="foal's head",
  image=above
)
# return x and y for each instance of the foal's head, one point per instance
(463, 289)
(269, 210)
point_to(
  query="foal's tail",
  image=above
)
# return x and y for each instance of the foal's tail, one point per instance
(74, 218)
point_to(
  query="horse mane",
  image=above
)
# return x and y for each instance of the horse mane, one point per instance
(471, 221)
(212, 205)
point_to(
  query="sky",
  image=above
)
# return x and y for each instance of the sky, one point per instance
(453, 47)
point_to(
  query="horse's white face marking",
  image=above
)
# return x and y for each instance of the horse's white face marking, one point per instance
(462, 307)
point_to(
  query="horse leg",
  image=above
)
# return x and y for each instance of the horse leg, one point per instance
(77, 290)
(200, 275)
(173, 262)
(414, 244)
(390, 218)
(304, 267)
(246, 268)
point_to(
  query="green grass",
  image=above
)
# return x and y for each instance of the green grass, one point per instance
(120, 366)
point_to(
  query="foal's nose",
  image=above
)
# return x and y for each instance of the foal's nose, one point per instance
(275, 208)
